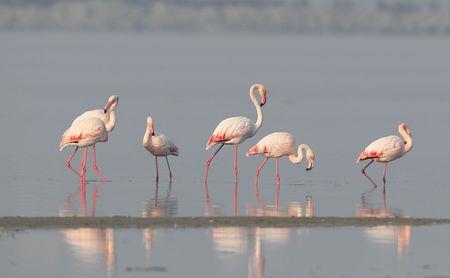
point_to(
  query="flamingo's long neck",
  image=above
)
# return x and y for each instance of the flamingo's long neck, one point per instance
(407, 139)
(297, 158)
(259, 120)
(147, 136)
(111, 118)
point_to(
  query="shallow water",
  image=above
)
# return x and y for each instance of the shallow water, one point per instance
(383, 251)
(336, 94)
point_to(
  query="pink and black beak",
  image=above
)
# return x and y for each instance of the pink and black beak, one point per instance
(105, 109)
(263, 101)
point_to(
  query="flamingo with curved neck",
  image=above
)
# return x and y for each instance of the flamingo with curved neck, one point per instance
(387, 149)
(235, 130)
(276, 145)
(108, 116)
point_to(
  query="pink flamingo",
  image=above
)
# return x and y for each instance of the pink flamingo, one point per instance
(235, 130)
(158, 145)
(387, 149)
(83, 134)
(276, 145)
(108, 116)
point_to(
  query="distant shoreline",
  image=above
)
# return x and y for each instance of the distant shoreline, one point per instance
(379, 17)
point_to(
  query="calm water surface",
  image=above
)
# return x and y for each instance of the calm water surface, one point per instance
(383, 251)
(334, 93)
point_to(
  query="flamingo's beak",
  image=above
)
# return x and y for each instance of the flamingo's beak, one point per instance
(105, 109)
(263, 101)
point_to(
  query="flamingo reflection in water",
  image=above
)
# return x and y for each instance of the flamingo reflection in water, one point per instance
(157, 206)
(89, 244)
(386, 235)
(230, 241)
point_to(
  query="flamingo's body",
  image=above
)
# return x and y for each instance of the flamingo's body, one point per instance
(278, 144)
(83, 134)
(232, 131)
(158, 145)
(387, 149)
(235, 130)
(106, 115)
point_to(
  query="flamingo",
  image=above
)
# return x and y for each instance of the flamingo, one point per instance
(387, 149)
(276, 145)
(158, 145)
(235, 130)
(108, 116)
(83, 134)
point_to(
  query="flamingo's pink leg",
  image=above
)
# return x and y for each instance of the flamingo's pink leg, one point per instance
(94, 201)
(69, 159)
(156, 170)
(277, 196)
(235, 198)
(83, 199)
(208, 162)
(94, 165)
(235, 163)
(384, 177)
(257, 177)
(170, 172)
(83, 165)
(365, 167)
(277, 170)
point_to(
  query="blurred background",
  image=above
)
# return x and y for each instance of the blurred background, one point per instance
(294, 16)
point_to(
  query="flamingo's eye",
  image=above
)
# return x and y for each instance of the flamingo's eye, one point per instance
(404, 142)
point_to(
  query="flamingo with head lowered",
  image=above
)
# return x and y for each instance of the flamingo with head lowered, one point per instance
(235, 130)
(158, 145)
(83, 134)
(276, 145)
(108, 116)
(387, 149)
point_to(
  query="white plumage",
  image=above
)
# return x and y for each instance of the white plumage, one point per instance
(158, 145)
(387, 149)
(235, 130)
(278, 144)
(84, 133)
(232, 131)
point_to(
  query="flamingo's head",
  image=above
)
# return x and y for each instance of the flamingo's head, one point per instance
(405, 127)
(150, 125)
(112, 103)
(263, 93)
(309, 159)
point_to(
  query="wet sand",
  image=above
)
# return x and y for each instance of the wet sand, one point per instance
(204, 222)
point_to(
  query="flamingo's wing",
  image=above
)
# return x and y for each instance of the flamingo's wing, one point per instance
(382, 147)
(229, 129)
(163, 142)
(88, 114)
(90, 129)
(277, 143)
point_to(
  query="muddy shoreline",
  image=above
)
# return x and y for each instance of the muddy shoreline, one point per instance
(206, 222)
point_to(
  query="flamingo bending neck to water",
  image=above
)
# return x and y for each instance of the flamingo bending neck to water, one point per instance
(108, 116)
(235, 130)
(158, 145)
(276, 145)
(387, 149)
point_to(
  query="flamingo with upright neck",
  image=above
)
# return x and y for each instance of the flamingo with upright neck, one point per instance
(108, 116)
(235, 130)
(158, 145)
(387, 149)
(276, 145)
